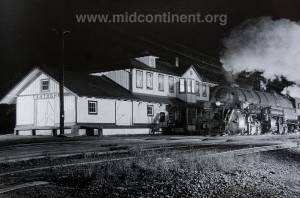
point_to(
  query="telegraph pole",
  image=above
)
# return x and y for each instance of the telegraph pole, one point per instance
(61, 83)
(61, 75)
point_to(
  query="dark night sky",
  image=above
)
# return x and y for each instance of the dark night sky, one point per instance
(27, 39)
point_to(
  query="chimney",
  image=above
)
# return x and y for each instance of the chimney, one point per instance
(176, 62)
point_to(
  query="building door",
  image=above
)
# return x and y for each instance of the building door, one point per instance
(123, 113)
(191, 119)
(45, 112)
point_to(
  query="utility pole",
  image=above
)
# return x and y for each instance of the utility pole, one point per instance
(61, 81)
(61, 74)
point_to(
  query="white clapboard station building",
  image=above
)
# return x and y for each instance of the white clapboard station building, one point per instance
(122, 101)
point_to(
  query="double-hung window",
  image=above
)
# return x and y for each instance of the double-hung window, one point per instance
(171, 84)
(160, 82)
(139, 79)
(193, 86)
(197, 88)
(150, 110)
(45, 84)
(189, 85)
(149, 79)
(204, 90)
(93, 107)
(181, 85)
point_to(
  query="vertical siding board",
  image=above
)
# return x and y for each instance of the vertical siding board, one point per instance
(140, 113)
(124, 113)
(121, 77)
(25, 110)
(35, 86)
(106, 111)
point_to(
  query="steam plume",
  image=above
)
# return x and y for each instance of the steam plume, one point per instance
(265, 44)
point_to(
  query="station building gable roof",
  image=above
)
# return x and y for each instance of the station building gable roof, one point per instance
(85, 85)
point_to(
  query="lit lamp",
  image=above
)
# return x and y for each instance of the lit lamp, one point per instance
(218, 103)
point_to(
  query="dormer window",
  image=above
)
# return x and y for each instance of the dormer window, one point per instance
(45, 84)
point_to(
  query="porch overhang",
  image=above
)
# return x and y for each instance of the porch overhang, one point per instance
(162, 100)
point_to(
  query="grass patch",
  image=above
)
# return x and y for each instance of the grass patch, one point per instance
(151, 173)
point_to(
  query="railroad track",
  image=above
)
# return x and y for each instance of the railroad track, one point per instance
(234, 149)
(238, 151)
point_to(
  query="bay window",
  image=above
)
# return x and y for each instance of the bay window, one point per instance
(197, 88)
(204, 92)
(181, 85)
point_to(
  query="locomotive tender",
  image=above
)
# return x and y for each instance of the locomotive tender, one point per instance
(233, 110)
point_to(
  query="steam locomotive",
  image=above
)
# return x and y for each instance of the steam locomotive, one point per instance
(233, 110)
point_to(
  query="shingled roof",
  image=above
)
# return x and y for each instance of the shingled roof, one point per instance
(91, 86)
(85, 85)
(103, 87)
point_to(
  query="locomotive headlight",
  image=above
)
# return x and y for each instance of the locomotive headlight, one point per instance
(218, 103)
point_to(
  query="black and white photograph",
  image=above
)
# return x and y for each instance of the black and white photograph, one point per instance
(149, 98)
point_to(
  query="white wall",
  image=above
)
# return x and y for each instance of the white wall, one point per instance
(124, 113)
(155, 90)
(25, 110)
(70, 110)
(121, 77)
(140, 112)
(136, 131)
(35, 86)
(106, 111)
(33, 102)
(119, 112)
(189, 97)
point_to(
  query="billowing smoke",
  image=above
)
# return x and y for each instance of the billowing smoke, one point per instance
(265, 44)
(293, 90)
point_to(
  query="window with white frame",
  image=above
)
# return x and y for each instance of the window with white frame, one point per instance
(160, 82)
(139, 79)
(93, 107)
(45, 84)
(193, 86)
(181, 85)
(171, 84)
(189, 85)
(150, 110)
(197, 88)
(149, 79)
(204, 92)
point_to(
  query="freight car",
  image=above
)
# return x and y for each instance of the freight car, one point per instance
(233, 110)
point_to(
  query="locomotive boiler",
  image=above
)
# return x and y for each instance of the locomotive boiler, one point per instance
(234, 110)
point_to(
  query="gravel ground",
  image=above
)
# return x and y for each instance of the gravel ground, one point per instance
(270, 174)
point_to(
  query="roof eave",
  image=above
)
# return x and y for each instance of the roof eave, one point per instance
(10, 98)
